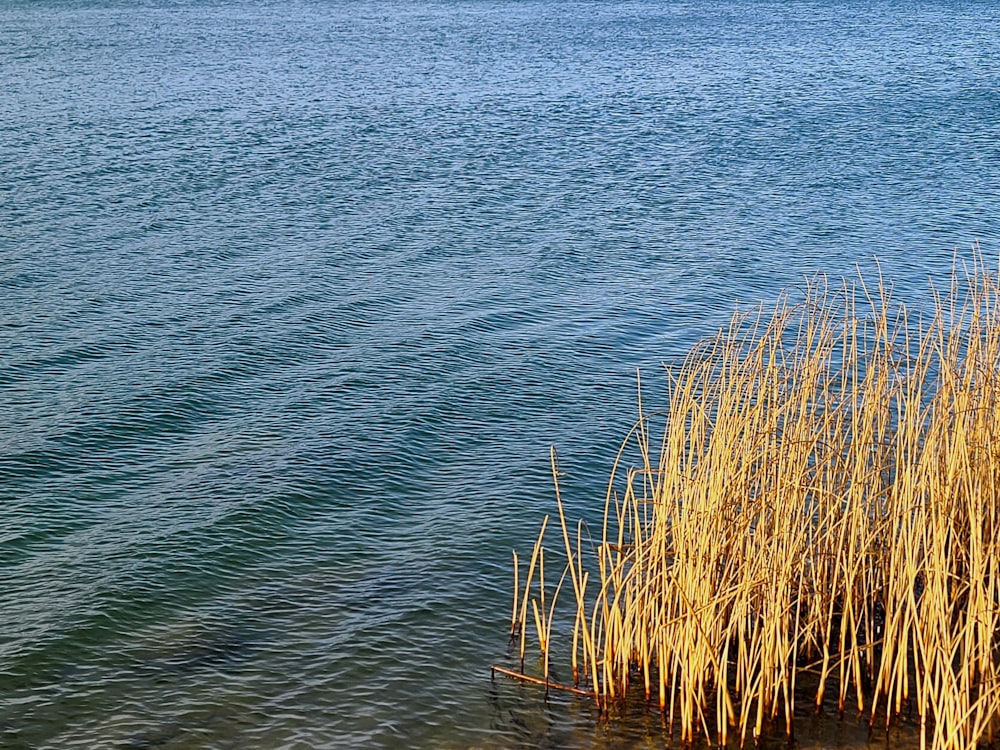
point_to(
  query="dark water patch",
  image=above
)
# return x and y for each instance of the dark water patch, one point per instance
(218, 651)
(151, 739)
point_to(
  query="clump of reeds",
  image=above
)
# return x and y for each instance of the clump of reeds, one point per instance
(818, 519)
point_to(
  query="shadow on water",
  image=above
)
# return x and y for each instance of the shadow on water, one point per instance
(221, 649)
(178, 656)
(527, 720)
(217, 650)
(153, 738)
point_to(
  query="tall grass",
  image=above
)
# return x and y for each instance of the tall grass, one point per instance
(816, 518)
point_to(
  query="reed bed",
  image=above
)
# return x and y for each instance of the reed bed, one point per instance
(815, 519)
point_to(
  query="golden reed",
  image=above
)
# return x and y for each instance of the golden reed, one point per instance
(817, 518)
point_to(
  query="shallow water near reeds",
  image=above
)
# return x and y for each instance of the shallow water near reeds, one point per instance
(295, 296)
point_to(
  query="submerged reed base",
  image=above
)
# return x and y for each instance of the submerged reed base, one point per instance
(820, 507)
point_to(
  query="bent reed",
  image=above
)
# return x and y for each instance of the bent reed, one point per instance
(816, 520)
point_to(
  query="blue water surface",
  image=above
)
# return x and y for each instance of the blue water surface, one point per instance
(295, 296)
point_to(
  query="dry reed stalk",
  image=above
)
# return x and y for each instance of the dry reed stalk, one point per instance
(522, 620)
(823, 497)
(514, 622)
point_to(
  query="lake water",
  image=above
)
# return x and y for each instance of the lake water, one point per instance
(295, 296)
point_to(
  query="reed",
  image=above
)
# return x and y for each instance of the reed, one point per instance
(815, 517)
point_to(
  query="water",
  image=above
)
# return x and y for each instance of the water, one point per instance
(295, 297)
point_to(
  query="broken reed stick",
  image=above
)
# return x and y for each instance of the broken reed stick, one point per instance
(537, 681)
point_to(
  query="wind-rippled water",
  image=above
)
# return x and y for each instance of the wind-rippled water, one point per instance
(295, 296)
